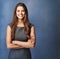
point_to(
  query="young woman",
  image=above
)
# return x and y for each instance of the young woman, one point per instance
(20, 35)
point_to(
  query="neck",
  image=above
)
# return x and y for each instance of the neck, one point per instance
(20, 22)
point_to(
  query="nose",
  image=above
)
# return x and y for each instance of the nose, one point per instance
(20, 12)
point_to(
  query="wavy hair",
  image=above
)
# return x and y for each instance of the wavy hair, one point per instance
(26, 22)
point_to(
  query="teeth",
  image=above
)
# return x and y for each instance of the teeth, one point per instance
(20, 15)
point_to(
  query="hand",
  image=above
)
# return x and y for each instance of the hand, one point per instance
(14, 42)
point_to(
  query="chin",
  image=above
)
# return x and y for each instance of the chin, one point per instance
(20, 17)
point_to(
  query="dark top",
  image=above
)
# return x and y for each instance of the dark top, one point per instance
(20, 34)
(21, 53)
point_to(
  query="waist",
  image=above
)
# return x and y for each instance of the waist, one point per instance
(20, 49)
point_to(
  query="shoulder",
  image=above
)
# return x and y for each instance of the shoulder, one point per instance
(32, 26)
(9, 25)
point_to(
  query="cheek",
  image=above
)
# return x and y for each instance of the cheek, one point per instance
(23, 13)
(16, 13)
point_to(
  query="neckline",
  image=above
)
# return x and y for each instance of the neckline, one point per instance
(19, 27)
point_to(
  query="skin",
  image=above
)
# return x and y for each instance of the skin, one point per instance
(20, 13)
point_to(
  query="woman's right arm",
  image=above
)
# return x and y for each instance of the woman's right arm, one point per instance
(9, 40)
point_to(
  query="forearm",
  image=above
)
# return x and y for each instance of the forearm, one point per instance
(13, 46)
(27, 44)
(23, 44)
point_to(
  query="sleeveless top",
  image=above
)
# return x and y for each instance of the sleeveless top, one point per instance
(20, 53)
(20, 34)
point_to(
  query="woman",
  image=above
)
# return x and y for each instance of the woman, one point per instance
(20, 34)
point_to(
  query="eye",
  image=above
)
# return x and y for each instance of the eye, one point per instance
(18, 10)
(23, 10)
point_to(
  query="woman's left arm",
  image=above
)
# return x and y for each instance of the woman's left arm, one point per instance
(31, 42)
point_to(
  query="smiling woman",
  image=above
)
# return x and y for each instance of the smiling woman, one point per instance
(20, 12)
(20, 35)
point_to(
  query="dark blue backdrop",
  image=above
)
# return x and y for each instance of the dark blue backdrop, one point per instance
(45, 15)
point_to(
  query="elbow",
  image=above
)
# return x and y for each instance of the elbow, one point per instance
(33, 45)
(8, 46)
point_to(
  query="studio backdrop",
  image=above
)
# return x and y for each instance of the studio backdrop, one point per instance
(45, 15)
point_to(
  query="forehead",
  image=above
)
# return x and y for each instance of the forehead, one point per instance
(20, 8)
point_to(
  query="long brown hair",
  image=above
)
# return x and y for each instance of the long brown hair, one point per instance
(26, 22)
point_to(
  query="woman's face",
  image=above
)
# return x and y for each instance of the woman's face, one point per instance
(20, 12)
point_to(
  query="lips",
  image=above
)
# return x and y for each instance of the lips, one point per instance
(20, 15)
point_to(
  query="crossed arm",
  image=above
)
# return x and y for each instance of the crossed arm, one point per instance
(19, 44)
